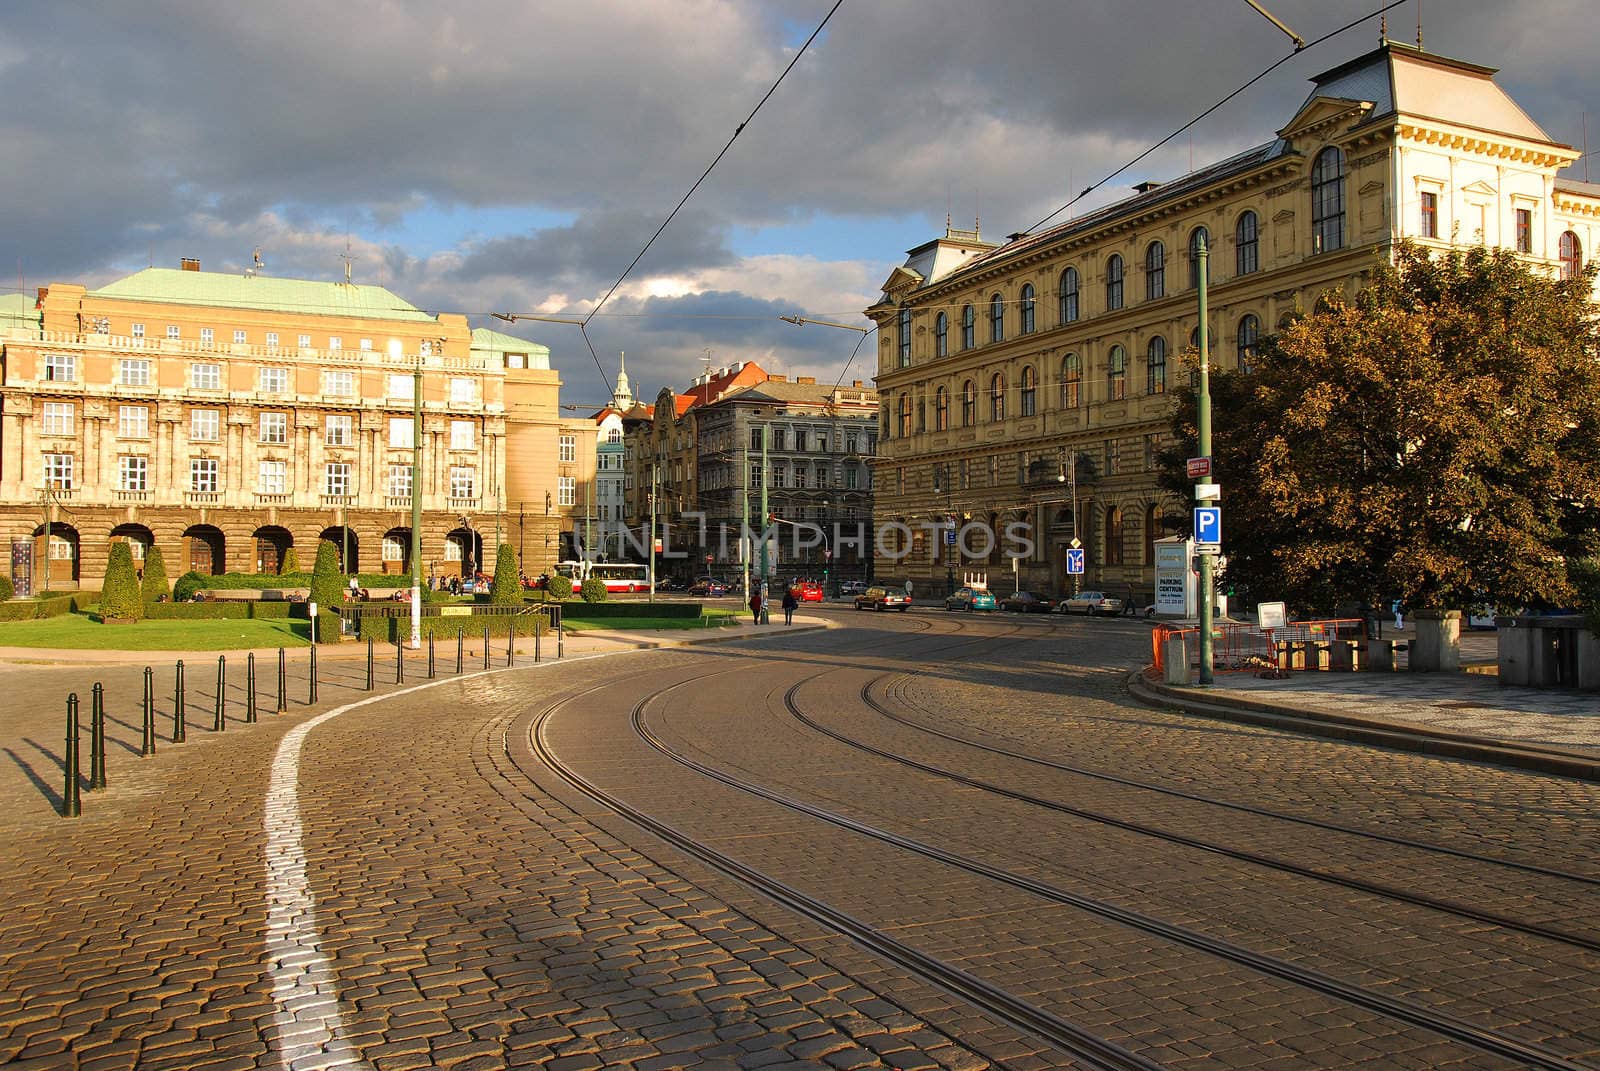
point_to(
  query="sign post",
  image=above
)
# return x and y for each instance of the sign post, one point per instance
(1203, 429)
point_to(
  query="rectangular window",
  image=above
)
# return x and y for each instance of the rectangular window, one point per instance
(780, 438)
(132, 473)
(461, 391)
(339, 384)
(338, 430)
(335, 343)
(203, 474)
(756, 438)
(822, 476)
(336, 478)
(60, 367)
(780, 476)
(1524, 230)
(205, 376)
(802, 476)
(136, 330)
(274, 380)
(366, 345)
(275, 428)
(569, 448)
(400, 386)
(133, 372)
(400, 433)
(207, 336)
(399, 483)
(133, 422)
(205, 424)
(566, 490)
(173, 332)
(1430, 215)
(57, 418)
(273, 478)
(272, 340)
(850, 478)
(303, 341)
(461, 435)
(463, 482)
(58, 471)
(239, 337)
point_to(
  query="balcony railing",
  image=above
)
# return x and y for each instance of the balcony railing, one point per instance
(463, 503)
(132, 496)
(397, 501)
(263, 499)
(202, 498)
(338, 500)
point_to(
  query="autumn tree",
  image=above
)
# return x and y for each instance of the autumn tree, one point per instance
(1436, 437)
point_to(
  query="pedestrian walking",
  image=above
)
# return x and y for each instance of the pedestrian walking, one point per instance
(790, 605)
(755, 607)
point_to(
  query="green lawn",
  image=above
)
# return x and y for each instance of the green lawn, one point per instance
(83, 633)
(711, 618)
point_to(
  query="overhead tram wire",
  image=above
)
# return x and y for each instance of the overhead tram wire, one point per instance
(1268, 70)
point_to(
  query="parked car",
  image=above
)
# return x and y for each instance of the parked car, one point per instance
(1090, 602)
(848, 588)
(883, 599)
(807, 591)
(970, 599)
(708, 588)
(1028, 602)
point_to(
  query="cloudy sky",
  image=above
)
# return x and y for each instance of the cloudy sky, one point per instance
(503, 156)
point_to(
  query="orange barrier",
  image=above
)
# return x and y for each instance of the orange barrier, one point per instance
(1335, 644)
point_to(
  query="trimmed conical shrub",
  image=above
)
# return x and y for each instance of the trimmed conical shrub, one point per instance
(506, 589)
(291, 563)
(120, 598)
(327, 583)
(154, 587)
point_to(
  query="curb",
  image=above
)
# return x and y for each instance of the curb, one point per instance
(1400, 736)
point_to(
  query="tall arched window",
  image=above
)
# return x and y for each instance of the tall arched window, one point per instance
(1249, 332)
(1246, 244)
(1030, 390)
(997, 397)
(1069, 296)
(997, 319)
(1114, 536)
(1155, 271)
(1571, 255)
(1327, 201)
(969, 323)
(1026, 308)
(1071, 381)
(905, 337)
(1152, 531)
(1114, 282)
(1195, 239)
(941, 335)
(1155, 368)
(941, 410)
(1117, 374)
(969, 404)
(904, 425)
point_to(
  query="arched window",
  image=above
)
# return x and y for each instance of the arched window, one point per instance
(1155, 368)
(1114, 536)
(1027, 309)
(1152, 531)
(905, 337)
(883, 421)
(968, 328)
(1200, 235)
(1117, 374)
(1071, 381)
(1327, 201)
(1114, 282)
(614, 435)
(1249, 332)
(997, 397)
(1069, 295)
(904, 427)
(969, 404)
(1030, 391)
(941, 410)
(1571, 255)
(941, 335)
(1155, 271)
(997, 319)
(1247, 244)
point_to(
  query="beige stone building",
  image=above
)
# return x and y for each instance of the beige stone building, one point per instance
(1023, 385)
(229, 418)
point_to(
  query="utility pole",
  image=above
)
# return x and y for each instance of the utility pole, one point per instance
(765, 435)
(744, 518)
(416, 504)
(1203, 427)
(653, 473)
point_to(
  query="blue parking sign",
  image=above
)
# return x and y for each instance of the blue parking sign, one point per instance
(1074, 561)
(1208, 525)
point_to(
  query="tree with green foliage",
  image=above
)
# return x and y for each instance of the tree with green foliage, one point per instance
(593, 590)
(1436, 438)
(187, 585)
(327, 582)
(154, 587)
(8, 590)
(119, 596)
(506, 588)
(558, 587)
(290, 564)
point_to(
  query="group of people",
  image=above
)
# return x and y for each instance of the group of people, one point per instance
(790, 605)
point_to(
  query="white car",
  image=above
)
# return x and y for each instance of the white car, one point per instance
(1090, 602)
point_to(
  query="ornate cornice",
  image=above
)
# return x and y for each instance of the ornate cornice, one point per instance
(1484, 143)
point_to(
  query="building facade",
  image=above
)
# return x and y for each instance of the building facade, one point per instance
(229, 419)
(1024, 385)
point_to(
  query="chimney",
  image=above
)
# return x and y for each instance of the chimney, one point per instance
(43, 290)
(776, 379)
(855, 383)
(189, 263)
(806, 381)
(1145, 187)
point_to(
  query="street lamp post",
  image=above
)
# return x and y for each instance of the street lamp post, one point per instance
(416, 504)
(1069, 474)
(1203, 428)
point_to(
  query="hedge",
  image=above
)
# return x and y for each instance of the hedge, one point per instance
(222, 610)
(53, 606)
(593, 611)
(387, 629)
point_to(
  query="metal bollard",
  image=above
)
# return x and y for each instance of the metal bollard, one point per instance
(538, 632)
(178, 727)
(147, 745)
(311, 684)
(560, 640)
(250, 687)
(369, 663)
(460, 643)
(69, 795)
(399, 662)
(511, 641)
(97, 737)
(430, 656)
(219, 721)
(486, 647)
(283, 683)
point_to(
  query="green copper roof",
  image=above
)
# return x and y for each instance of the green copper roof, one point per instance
(302, 296)
(486, 341)
(17, 310)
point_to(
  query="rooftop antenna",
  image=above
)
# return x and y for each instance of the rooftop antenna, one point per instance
(1585, 174)
(256, 266)
(705, 386)
(1383, 29)
(349, 259)
(1419, 25)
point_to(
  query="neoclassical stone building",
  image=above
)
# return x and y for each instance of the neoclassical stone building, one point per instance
(1025, 384)
(227, 418)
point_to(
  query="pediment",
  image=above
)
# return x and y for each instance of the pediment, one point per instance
(1321, 115)
(1480, 188)
(901, 281)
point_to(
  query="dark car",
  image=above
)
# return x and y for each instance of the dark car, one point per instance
(707, 588)
(883, 599)
(1028, 602)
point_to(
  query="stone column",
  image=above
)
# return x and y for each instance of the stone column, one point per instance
(1437, 646)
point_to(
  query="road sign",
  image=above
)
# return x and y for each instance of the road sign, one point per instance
(1208, 525)
(1199, 467)
(950, 536)
(710, 558)
(1207, 492)
(1074, 561)
(1076, 544)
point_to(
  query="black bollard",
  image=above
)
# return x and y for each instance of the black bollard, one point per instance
(178, 728)
(219, 720)
(538, 632)
(283, 683)
(147, 745)
(560, 640)
(486, 647)
(311, 684)
(250, 687)
(430, 656)
(461, 639)
(511, 641)
(69, 796)
(369, 663)
(399, 662)
(97, 737)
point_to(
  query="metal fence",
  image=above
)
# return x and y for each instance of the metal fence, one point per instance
(1332, 644)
